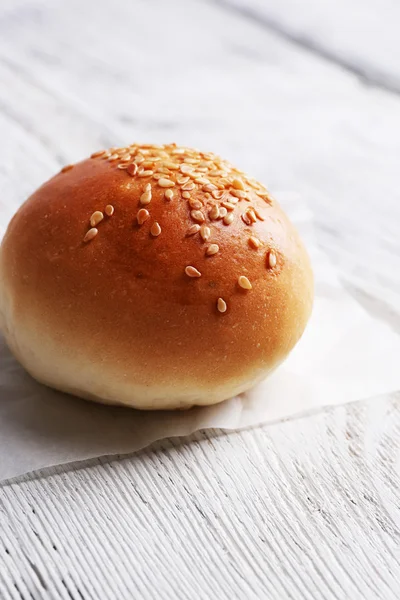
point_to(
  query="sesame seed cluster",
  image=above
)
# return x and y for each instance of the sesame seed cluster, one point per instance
(181, 173)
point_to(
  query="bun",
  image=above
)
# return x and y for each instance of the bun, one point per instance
(153, 276)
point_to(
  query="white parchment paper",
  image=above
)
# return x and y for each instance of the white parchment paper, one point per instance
(344, 355)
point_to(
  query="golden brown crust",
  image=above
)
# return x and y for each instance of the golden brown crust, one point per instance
(120, 317)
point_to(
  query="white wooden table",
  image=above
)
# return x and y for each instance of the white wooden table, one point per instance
(306, 97)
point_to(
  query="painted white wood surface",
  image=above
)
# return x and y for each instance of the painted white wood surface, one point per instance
(305, 509)
(361, 36)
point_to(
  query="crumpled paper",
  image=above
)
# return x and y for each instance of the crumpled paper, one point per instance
(344, 355)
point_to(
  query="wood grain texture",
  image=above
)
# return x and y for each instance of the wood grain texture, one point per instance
(305, 509)
(361, 37)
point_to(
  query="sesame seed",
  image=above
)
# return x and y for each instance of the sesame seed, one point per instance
(132, 169)
(258, 214)
(205, 232)
(192, 272)
(165, 183)
(145, 198)
(186, 195)
(192, 161)
(171, 165)
(222, 212)
(113, 157)
(217, 194)
(67, 168)
(193, 203)
(228, 219)
(142, 216)
(97, 154)
(193, 229)
(238, 193)
(254, 242)
(238, 184)
(126, 158)
(147, 187)
(197, 215)
(246, 219)
(214, 212)
(212, 249)
(252, 216)
(202, 181)
(168, 194)
(221, 305)
(139, 159)
(182, 180)
(184, 168)
(272, 259)
(122, 166)
(96, 217)
(91, 234)
(188, 187)
(244, 283)
(109, 210)
(147, 164)
(155, 229)
(146, 173)
(209, 187)
(157, 176)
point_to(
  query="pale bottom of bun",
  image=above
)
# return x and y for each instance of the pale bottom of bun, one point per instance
(90, 380)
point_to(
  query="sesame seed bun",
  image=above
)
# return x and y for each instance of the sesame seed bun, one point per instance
(154, 277)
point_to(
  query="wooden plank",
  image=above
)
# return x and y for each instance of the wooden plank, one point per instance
(306, 509)
(360, 36)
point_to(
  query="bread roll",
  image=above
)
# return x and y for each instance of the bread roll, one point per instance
(156, 277)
